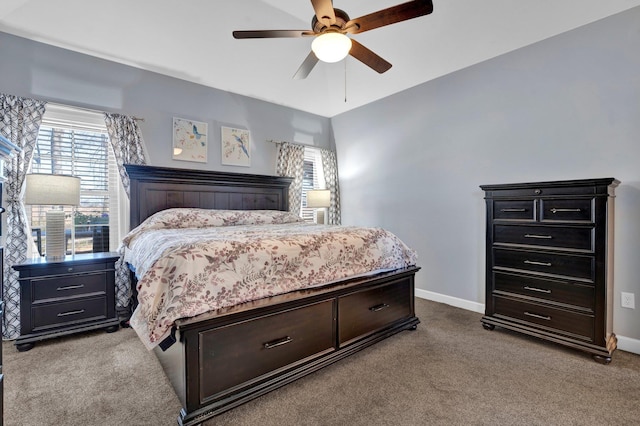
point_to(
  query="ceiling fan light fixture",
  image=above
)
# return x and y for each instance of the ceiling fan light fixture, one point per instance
(331, 46)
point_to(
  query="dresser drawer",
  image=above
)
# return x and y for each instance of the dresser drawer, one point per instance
(579, 295)
(514, 210)
(566, 210)
(256, 347)
(69, 286)
(367, 311)
(541, 190)
(574, 238)
(552, 319)
(62, 313)
(566, 265)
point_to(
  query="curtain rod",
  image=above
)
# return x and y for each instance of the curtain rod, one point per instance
(292, 143)
(95, 111)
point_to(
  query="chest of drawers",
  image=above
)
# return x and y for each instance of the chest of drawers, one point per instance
(549, 262)
(67, 296)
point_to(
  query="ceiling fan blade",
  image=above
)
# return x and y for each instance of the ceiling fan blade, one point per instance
(391, 15)
(307, 65)
(324, 11)
(272, 33)
(368, 58)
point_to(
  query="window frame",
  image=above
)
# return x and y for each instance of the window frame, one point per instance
(312, 166)
(78, 122)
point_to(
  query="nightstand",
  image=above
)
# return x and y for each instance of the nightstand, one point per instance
(66, 296)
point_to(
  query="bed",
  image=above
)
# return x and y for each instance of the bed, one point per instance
(224, 357)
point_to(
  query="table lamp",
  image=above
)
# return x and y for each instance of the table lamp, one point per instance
(53, 190)
(319, 199)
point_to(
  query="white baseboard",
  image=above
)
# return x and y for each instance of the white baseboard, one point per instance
(626, 344)
(450, 300)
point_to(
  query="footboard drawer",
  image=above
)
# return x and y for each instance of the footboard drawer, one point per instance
(245, 352)
(367, 311)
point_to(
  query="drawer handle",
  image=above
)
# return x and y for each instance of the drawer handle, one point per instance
(554, 210)
(539, 290)
(278, 342)
(70, 287)
(542, 237)
(544, 317)
(531, 262)
(379, 307)
(64, 314)
(512, 210)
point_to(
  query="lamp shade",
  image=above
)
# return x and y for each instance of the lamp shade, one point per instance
(318, 198)
(52, 190)
(331, 47)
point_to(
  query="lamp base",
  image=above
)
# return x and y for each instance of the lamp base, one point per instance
(320, 216)
(55, 246)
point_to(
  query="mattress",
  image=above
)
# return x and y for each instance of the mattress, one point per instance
(192, 261)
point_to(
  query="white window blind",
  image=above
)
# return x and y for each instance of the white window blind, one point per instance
(75, 142)
(312, 178)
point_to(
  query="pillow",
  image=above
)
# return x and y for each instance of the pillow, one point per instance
(179, 218)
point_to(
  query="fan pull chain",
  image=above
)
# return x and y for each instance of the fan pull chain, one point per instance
(345, 81)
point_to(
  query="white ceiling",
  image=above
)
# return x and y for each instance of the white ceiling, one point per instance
(192, 40)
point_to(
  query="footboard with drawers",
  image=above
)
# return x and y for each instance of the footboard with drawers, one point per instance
(233, 355)
(550, 262)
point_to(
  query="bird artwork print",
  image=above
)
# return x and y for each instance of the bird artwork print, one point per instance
(236, 148)
(189, 140)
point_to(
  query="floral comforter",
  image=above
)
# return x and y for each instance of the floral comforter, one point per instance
(190, 261)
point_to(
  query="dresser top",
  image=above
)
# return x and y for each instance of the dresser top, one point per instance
(610, 182)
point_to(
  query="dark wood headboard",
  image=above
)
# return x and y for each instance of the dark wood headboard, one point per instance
(159, 188)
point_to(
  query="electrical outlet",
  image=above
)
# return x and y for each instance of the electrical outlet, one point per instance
(627, 300)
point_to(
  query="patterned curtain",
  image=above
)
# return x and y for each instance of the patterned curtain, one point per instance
(330, 170)
(20, 120)
(126, 141)
(290, 163)
(127, 144)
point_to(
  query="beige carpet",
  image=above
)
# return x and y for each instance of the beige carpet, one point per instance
(448, 372)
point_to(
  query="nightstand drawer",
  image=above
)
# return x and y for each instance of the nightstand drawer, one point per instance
(553, 319)
(44, 270)
(566, 210)
(80, 310)
(574, 238)
(514, 210)
(580, 295)
(69, 286)
(575, 266)
(368, 311)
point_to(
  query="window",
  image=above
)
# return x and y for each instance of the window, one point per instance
(312, 178)
(75, 142)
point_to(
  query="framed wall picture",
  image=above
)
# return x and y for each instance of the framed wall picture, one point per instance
(189, 140)
(236, 147)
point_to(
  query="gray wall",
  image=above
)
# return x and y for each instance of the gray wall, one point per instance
(45, 72)
(565, 108)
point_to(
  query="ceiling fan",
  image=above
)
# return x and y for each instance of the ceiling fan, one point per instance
(330, 27)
